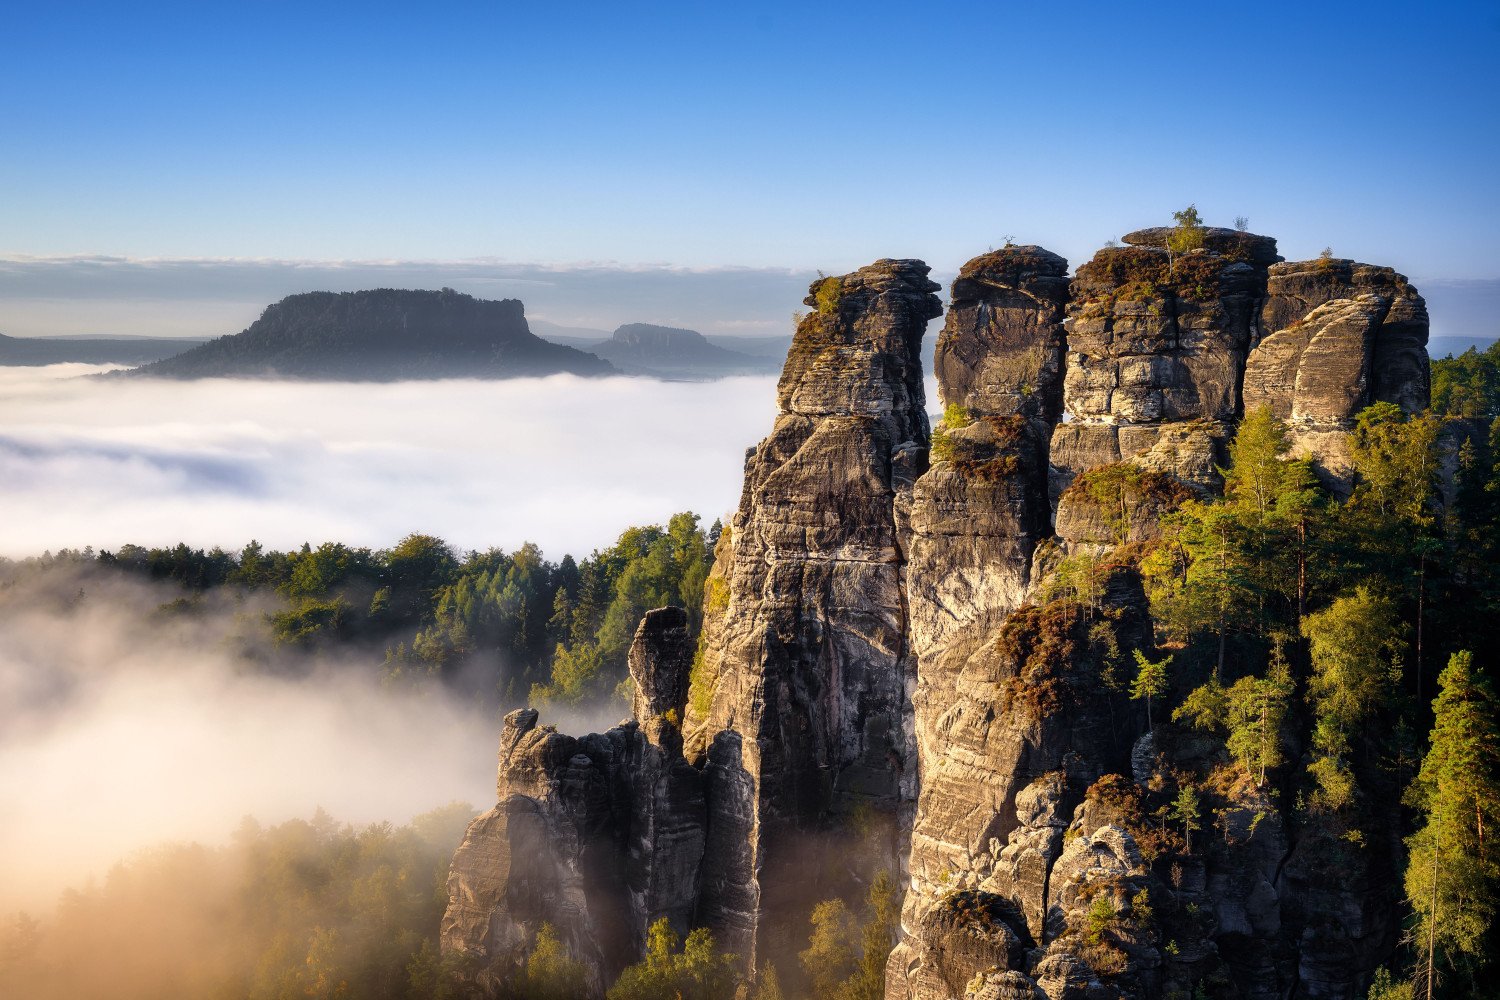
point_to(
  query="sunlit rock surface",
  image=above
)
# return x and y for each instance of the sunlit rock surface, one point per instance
(900, 669)
(1337, 336)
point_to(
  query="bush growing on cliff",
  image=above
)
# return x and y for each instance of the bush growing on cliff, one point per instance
(828, 296)
(954, 417)
(1123, 495)
(1186, 236)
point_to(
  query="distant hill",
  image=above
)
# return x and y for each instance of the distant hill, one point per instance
(760, 347)
(381, 335)
(772, 350)
(581, 337)
(34, 351)
(646, 349)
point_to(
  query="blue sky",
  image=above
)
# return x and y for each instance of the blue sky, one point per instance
(761, 135)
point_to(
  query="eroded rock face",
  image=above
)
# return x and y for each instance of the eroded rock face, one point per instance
(1011, 721)
(598, 836)
(892, 636)
(1157, 339)
(981, 508)
(1338, 336)
(799, 715)
(544, 854)
(1157, 343)
(1001, 349)
(668, 820)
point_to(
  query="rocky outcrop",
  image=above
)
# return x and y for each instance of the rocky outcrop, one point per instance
(1001, 349)
(1337, 336)
(1034, 866)
(919, 657)
(1007, 700)
(980, 510)
(1158, 340)
(799, 715)
(667, 818)
(598, 836)
(544, 854)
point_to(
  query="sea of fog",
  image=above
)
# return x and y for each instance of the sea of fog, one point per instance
(563, 462)
(119, 730)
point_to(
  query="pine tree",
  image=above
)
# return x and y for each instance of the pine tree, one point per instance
(1187, 810)
(1355, 646)
(1453, 874)
(768, 983)
(1396, 459)
(1150, 682)
(1256, 709)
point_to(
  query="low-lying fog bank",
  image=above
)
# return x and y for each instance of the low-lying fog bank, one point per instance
(122, 726)
(561, 461)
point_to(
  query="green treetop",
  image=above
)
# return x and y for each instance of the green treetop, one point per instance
(1453, 876)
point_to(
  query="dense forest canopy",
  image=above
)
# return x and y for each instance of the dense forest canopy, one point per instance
(502, 628)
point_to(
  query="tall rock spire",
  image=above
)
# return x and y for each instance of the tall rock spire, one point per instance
(988, 716)
(799, 703)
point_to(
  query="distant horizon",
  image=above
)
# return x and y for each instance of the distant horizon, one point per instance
(204, 298)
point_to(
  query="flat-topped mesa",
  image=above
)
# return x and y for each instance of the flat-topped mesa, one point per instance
(799, 698)
(598, 836)
(1157, 341)
(1337, 336)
